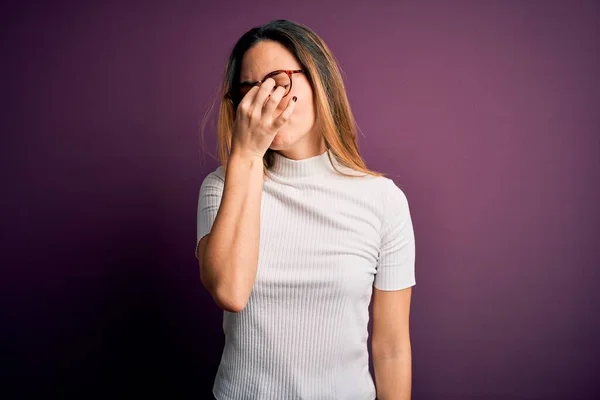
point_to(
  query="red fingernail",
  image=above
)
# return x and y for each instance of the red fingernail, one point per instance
(295, 98)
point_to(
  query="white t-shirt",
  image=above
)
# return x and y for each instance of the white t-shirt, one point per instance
(325, 241)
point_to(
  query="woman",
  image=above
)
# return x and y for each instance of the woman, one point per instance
(294, 232)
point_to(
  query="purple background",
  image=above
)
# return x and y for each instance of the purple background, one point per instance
(486, 114)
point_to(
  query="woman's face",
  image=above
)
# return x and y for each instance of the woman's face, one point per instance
(298, 136)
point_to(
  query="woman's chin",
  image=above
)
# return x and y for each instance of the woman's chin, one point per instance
(279, 142)
(286, 140)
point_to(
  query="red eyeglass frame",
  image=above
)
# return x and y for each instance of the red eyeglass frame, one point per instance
(289, 72)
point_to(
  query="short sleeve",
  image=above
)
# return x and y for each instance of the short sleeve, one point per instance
(209, 200)
(396, 263)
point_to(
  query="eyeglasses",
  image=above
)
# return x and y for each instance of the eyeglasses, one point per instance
(282, 77)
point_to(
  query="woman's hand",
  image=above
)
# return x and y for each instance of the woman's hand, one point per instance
(255, 124)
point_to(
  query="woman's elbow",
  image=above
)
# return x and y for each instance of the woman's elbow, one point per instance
(229, 301)
(225, 295)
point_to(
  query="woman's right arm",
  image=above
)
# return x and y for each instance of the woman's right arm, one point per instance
(229, 254)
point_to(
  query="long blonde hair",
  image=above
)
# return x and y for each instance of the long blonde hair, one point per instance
(332, 109)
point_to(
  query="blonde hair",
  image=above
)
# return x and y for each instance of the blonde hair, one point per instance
(332, 108)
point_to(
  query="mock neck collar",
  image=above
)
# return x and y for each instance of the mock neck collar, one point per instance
(305, 168)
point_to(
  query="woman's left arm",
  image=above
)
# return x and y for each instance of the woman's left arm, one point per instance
(391, 351)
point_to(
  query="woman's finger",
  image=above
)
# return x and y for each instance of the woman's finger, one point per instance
(245, 105)
(273, 101)
(258, 102)
(282, 119)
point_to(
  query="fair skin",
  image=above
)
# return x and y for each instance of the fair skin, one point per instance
(299, 138)
(229, 254)
(391, 350)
